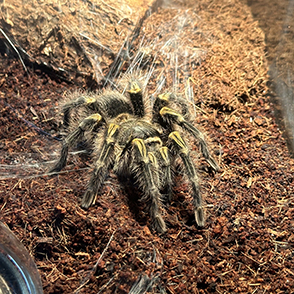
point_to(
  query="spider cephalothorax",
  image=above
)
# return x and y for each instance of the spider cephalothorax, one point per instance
(143, 147)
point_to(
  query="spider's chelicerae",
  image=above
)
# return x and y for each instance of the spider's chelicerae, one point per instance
(141, 146)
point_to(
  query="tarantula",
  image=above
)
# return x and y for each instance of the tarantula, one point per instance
(141, 147)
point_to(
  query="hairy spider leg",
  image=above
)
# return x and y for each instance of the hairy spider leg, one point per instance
(136, 97)
(102, 166)
(160, 158)
(182, 150)
(153, 144)
(180, 102)
(150, 190)
(154, 163)
(165, 163)
(76, 135)
(170, 116)
(89, 102)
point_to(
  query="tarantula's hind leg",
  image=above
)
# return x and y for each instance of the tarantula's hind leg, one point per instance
(181, 148)
(72, 138)
(102, 166)
(171, 116)
(148, 184)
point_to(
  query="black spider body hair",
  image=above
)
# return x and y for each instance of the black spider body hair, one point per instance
(130, 142)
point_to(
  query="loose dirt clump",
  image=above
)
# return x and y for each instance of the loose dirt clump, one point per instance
(216, 49)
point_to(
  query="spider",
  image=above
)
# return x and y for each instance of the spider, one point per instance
(136, 144)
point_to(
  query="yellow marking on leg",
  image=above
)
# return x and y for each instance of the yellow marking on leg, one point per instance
(122, 117)
(112, 129)
(139, 143)
(90, 120)
(176, 137)
(153, 140)
(95, 116)
(152, 158)
(90, 100)
(164, 153)
(169, 111)
(135, 88)
(164, 96)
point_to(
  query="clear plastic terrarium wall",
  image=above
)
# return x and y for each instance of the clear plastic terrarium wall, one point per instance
(276, 18)
(18, 272)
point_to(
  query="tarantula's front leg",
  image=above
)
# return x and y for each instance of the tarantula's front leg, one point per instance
(181, 148)
(102, 166)
(148, 184)
(171, 116)
(136, 96)
(89, 102)
(73, 137)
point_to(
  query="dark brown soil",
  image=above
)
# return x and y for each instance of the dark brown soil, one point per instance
(247, 243)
